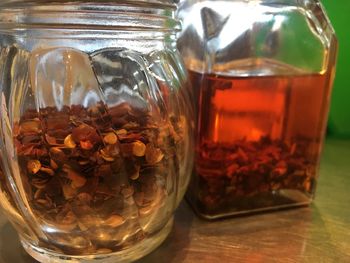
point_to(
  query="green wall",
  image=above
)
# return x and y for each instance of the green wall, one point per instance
(339, 119)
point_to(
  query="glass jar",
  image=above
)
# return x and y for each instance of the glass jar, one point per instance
(262, 73)
(96, 127)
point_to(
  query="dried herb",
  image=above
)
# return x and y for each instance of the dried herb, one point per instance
(229, 174)
(88, 167)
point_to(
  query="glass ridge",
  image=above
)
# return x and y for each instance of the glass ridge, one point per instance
(136, 15)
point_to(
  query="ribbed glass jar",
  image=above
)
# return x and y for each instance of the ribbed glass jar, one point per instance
(96, 127)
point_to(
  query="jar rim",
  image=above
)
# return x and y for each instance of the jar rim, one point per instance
(16, 3)
(128, 15)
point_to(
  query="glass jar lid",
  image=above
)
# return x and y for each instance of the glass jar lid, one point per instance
(102, 14)
(133, 2)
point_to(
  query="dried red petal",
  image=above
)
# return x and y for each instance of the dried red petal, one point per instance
(85, 133)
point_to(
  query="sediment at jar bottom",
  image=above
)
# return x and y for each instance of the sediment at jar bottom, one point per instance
(252, 175)
(97, 177)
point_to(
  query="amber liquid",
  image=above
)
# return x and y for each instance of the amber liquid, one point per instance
(258, 137)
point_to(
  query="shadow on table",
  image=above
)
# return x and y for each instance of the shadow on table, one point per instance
(280, 235)
(297, 235)
(329, 234)
(292, 235)
(173, 250)
(11, 250)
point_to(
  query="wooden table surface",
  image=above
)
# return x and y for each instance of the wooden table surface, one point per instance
(319, 233)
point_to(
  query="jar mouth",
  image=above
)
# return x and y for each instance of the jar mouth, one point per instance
(128, 15)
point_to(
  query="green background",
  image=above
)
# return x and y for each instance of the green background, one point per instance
(339, 119)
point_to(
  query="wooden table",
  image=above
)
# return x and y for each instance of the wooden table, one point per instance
(320, 233)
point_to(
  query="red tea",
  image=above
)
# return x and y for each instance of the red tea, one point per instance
(258, 140)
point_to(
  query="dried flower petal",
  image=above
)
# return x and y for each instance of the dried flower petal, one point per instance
(242, 154)
(69, 142)
(85, 198)
(53, 164)
(182, 124)
(135, 173)
(105, 156)
(131, 125)
(67, 220)
(127, 192)
(50, 140)
(280, 171)
(40, 183)
(121, 132)
(114, 221)
(84, 162)
(57, 154)
(31, 138)
(86, 145)
(110, 138)
(39, 193)
(153, 155)
(85, 133)
(30, 126)
(293, 148)
(139, 198)
(44, 202)
(68, 191)
(78, 180)
(113, 150)
(48, 171)
(33, 166)
(139, 148)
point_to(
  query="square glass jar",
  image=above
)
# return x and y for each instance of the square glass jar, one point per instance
(261, 73)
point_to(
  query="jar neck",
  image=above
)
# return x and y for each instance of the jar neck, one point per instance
(128, 20)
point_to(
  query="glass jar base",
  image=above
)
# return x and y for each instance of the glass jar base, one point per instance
(133, 253)
(243, 206)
